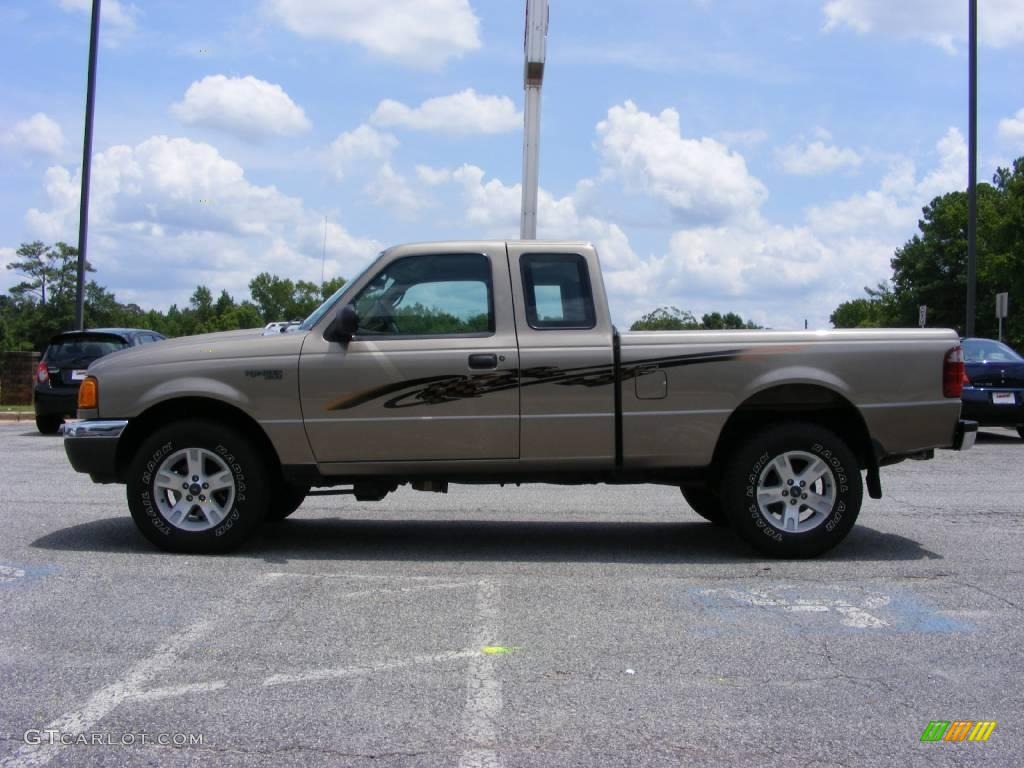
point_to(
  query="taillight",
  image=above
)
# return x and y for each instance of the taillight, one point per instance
(966, 380)
(42, 374)
(953, 373)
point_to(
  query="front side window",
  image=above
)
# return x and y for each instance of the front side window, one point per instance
(429, 296)
(557, 289)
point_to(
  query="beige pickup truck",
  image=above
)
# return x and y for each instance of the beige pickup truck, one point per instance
(497, 362)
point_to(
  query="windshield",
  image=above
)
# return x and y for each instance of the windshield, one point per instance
(988, 351)
(320, 311)
(64, 352)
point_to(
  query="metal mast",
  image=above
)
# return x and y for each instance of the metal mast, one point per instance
(535, 48)
(972, 170)
(83, 211)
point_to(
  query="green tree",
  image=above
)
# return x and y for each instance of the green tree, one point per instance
(675, 319)
(273, 296)
(666, 319)
(930, 269)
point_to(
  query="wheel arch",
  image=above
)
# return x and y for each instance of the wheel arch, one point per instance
(810, 403)
(179, 408)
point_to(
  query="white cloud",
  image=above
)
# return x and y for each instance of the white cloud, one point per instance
(422, 34)
(493, 208)
(117, 18)
(392, 190)
(356, 147)
(169, 213)
(464, 112)
(749, 138)
(939, 22)
(816, 158)
(1011, 129)
(8, 278)
(433, 177)
(700, 179)
(39, 134)
(892, 210)
(245, 106)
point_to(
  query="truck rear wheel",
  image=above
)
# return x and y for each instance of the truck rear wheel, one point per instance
(705, 503)
(792, 490)
(197, 487)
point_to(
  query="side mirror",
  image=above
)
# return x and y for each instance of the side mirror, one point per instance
(344, 325)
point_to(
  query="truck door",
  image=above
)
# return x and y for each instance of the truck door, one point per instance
(567, 394)
(432, 373)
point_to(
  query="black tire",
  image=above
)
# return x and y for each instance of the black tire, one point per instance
(285, 499)
(763, 523)
(705, 503)
(49, 425)
(218, 450)
(1020, 431)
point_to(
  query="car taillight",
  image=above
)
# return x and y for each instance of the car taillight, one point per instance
(953, 373)
(966, 380)
(42, 373)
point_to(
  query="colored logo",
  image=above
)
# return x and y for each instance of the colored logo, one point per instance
(958, 730)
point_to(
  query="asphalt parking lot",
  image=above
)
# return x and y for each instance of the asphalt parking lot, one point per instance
(533, 626)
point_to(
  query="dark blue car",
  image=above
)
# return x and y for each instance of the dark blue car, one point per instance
(993, 392)
(62, 369)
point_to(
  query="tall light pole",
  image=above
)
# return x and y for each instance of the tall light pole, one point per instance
(972, 169)
(535, 48)
(83, 211)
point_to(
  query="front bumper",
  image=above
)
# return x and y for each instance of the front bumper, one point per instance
(965, 435)
(91, 446)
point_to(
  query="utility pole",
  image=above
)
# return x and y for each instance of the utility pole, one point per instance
(972, 170)
(535, 48)
(83, 211)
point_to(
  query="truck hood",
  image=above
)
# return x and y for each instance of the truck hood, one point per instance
(226, 345)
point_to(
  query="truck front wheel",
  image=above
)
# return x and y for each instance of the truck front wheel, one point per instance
(792, 490)
(197, 487)
(285, 499)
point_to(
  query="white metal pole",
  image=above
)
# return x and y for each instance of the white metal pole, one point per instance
(535, 50)
(531, 164)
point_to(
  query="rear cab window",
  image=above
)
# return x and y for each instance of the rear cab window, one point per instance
(557, 291)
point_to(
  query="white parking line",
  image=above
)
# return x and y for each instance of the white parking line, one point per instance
(155, 694)
(367, 669)
(483, 687)
(101, 703)
(8, 573)
(858, 616)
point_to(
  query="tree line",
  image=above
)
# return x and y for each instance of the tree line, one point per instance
(43, 303)
(675, 319)
(930, 269)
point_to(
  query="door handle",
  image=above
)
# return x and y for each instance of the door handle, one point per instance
(483, 361)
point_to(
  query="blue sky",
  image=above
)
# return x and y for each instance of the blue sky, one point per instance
(765, 158)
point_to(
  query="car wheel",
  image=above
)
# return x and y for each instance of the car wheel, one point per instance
(48, 424)
(1020, 431)
(285, 499)
(197, 487)
(705, 503)
(792, 490)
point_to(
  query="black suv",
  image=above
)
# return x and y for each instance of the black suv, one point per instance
(63, 366)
